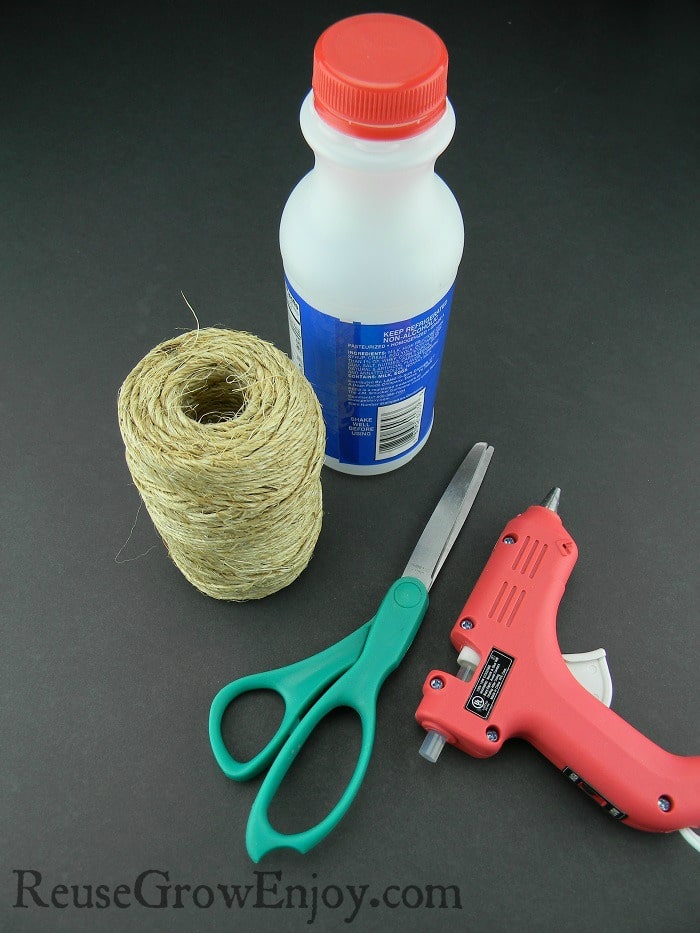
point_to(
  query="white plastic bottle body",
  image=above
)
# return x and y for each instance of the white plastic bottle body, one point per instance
(372, 236)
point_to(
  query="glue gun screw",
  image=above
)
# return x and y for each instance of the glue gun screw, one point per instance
(492, 735)
(466, 623)
(437, 683)
(509, 539)
(664, 804)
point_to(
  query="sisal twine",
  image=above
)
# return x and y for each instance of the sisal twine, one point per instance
(225, 441)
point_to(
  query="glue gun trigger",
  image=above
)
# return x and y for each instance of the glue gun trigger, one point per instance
(590, 668)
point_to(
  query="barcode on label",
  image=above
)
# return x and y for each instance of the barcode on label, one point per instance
(398, 425)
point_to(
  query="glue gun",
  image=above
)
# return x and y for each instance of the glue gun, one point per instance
(515, 683)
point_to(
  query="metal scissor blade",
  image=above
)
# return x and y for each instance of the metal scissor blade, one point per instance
(450, 514)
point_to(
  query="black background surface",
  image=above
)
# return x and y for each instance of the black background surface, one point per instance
(148, 150)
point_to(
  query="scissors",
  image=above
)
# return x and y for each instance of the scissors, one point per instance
(349, 673)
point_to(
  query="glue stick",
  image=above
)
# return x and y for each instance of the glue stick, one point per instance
(371, 239)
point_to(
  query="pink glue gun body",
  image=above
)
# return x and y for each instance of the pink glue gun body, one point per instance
(520, 686)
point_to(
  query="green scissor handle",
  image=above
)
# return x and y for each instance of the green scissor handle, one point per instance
(391, 632)
(298, 684)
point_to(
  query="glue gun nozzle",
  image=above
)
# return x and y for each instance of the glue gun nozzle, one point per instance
(551, 500)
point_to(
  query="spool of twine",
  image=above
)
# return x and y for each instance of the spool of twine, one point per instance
(225, 442)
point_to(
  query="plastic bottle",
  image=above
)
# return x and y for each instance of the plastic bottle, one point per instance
(371, 239)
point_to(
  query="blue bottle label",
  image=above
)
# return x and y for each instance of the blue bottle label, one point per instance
(376, 382)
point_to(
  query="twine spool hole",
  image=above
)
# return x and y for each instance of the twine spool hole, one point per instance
(225, 442)
(219, 398)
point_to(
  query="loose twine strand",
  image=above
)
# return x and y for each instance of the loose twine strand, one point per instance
(225, 440)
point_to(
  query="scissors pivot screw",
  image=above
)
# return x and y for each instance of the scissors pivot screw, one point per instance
(437, 683)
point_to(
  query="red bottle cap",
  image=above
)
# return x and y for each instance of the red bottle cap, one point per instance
(380, 76)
